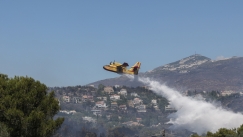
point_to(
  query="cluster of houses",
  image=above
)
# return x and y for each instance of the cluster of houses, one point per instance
(84, 98)
(136, 102)
(101, 101)
(101, 105)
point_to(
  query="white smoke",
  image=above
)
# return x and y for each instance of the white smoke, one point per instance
(194, 115)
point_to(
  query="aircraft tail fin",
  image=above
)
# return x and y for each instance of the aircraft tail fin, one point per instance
(135, 68)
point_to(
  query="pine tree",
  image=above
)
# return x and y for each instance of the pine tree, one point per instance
(26, 107)
(3, 131)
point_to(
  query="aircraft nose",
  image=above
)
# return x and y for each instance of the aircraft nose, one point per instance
(104, 67)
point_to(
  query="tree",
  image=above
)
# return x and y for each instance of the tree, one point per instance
(195, 135)
(108, 101)
(3, 131)
(87, 133)
(100, 90)
(101, 87)
(213, 94)
(240, 131)
(222, 132)
(116, 133)
(114, 117)
(26, 107)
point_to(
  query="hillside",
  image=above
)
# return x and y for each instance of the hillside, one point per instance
(195, 72)
(125, 110)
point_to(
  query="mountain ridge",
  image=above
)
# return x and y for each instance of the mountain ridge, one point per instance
(195, 72)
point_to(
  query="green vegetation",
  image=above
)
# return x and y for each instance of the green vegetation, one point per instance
(26, 109)
(223, 132)
(3, 131)
(122, 132)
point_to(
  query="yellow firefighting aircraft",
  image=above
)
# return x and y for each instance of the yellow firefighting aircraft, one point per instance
(122, 68)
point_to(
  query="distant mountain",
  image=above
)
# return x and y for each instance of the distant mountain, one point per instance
(195, 72)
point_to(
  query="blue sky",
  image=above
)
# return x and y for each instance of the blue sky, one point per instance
(66, 43)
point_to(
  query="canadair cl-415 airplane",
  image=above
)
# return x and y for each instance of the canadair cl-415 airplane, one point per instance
(122, 68)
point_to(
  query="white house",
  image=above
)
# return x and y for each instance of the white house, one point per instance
(169, 108)
(66, 98)
(100, 104)
(115, 97)
(123, 107)
(77, 100)
(141, 108)
(241, 93)
(114, 105)
(96, 112)
(87, 98)
(116, 86)
(156, 108)
(102, 98)
(225, 93)
(89, 119)
(68, 112)
(137, 101)
(154, 101)
(123, 92)
(134, 94)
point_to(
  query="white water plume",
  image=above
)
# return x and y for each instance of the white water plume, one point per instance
(194, 115)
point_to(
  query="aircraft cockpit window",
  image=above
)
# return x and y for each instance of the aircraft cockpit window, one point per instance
(125, 64)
